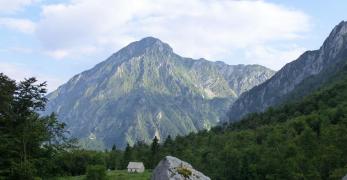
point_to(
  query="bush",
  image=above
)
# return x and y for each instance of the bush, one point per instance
(96, 172)
(185, 172)
(339, 173)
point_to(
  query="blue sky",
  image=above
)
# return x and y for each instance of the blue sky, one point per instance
(56, 39)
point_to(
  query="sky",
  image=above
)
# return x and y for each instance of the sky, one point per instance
(56, 39)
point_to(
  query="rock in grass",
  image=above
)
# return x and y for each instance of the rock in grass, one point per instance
(171, 168)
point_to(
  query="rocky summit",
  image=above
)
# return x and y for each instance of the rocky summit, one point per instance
(146, 90)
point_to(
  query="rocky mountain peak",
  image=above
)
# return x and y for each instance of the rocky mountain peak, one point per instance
(339, 29)
(297, 78)
(145, 45)
(337, 40)
(152, 42)
(146, 90)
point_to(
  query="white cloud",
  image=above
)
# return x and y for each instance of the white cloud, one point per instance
(10, 6)
(21, 25)
(58, 54)
(194, 28)
(62, 53)
(19, 71)
(273, 57)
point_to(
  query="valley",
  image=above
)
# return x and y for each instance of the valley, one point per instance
(198, 90)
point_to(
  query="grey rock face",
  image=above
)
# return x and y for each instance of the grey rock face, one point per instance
(171, 168)
(307, 72)
(145, 89)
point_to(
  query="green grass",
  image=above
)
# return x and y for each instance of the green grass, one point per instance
(114, 175)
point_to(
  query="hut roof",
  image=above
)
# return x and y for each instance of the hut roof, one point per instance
(135, 165)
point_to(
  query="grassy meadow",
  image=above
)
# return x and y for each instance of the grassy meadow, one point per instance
(114, 175)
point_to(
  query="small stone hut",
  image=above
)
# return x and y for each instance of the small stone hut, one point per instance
(136, 167)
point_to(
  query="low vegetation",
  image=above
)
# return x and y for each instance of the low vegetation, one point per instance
(185, 172)
(110, 175)
(96, 172)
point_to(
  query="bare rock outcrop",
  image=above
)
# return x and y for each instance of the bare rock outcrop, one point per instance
(171, 168)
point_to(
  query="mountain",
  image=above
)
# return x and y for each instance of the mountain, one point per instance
(305, 139)
(146, 90)
(298, 78)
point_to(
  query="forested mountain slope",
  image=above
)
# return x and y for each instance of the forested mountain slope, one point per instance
(300, 140)
(298, 78)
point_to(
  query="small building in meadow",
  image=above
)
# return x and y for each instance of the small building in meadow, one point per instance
(136, 167)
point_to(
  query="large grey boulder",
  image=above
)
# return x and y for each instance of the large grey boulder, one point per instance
(171, 168)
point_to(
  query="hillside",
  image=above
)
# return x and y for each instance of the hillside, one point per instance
(298, 78)
(300, 140)
(146, 90)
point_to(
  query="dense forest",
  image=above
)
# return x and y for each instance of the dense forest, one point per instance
(298, 140)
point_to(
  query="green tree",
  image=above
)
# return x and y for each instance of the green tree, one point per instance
(168, 141)
(7, 89)
(127, 156)
(28, 141)
(155, 146)
(28, 129)
(113, 159)
(154, 152)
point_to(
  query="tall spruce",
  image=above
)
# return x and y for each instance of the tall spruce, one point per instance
(127, 156)
(154, 151)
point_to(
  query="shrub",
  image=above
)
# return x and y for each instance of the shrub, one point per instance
(185, 172)
(96, 172)
(338, 173)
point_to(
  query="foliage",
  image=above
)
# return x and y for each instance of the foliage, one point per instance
(185, 172)
(155, 147)
(96, 172)
(75, 162)
(117, 174)
(128, 156)
(29, 142)
(113, 159)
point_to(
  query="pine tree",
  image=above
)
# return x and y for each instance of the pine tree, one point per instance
(127, 156)
(113, 158)
(114, 148)
(154, 152)
(168, 141)
(155, 146)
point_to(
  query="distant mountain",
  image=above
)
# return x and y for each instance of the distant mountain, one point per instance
(145, 89)
(298, 78)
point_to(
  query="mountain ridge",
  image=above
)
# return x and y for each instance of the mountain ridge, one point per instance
(279, 87)
(145, 89)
